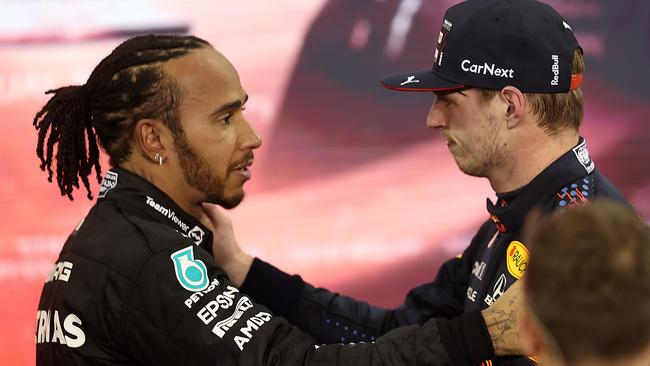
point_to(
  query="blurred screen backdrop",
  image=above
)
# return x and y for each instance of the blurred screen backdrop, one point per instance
(350, 188)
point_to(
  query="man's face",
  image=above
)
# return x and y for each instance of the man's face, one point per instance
(215, 147)
(472, 128)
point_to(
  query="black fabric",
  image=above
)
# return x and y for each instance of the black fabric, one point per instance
(468, 337)
(463, 285)
(135, 284)
(266, 282)
(491, 44)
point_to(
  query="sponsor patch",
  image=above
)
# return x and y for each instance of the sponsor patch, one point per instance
(582, 154)
(195, 297)
(479, 269)
(517, 259)
(109, 182)
(55, 327)
(223, 326)
(498, 290)
(555, 70)
(224, 300)
(409, 80)
(444, 30)
(168, 213)
(252, 325)
(485, 69)
(471, 294)
(60, 272)
(196, 234)
(191, 273)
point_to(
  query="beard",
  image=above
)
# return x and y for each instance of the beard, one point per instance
(198, 175)
(486, 153)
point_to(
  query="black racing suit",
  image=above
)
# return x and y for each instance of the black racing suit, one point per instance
(492, 262)
(136, 284)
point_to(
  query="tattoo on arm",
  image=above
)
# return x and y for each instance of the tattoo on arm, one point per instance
(502, 325)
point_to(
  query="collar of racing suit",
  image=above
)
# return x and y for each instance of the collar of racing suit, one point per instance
(138, 197)
(509, 211)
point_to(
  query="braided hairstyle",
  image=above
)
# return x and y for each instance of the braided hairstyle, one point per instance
(127, 86)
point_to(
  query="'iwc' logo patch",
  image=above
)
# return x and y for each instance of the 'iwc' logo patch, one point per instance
(517, 259)
(582, 154)
(109, 182)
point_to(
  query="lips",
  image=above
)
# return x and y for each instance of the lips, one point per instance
(448, 140)
(242, 168)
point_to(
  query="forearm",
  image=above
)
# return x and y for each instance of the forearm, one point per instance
(271, 287)
(502, 327)
(238, 267)
(326, 316)
(501, 319)
(466, 339)
(330, 317)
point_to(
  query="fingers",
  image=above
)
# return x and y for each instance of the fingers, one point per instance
(215, 214)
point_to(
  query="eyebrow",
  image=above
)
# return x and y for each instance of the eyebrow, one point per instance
(228, 106)
(447, 93)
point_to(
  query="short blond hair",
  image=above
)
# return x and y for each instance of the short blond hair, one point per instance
(555, 111)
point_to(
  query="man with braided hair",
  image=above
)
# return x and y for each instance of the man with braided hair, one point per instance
(136, 282)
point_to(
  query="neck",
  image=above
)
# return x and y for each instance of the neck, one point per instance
(529, 156)
(155, 174)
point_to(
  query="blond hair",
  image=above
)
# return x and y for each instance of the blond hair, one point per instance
(555, 111)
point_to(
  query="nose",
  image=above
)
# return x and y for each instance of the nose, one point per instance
(250, 138)
(435, 118)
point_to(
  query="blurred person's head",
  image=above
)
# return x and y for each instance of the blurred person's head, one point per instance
(588, 287)
(165, 107)
(506, 79)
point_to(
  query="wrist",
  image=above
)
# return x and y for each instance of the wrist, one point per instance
(237, 268)
(500, 325)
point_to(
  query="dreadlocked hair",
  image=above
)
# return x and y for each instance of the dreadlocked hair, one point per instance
(127, 86)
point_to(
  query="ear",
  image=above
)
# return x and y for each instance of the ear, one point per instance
(149, 136)
(516, 105)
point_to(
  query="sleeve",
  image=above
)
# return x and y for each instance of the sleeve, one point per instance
(332, 318)
(184, 310)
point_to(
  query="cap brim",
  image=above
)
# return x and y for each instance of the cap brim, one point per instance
(424, 80)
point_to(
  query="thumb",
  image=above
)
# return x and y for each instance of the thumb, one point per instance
(216, 215)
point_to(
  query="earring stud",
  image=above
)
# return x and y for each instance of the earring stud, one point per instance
(158, 158)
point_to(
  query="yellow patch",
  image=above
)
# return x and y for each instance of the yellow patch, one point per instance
(517, 259)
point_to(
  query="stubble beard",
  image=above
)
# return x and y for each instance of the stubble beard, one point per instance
(486, 153)
(197, 175)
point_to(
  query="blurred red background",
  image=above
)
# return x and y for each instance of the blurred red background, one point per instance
(350, 189)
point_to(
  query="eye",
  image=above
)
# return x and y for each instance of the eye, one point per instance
(226, 119)
(443, 99)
